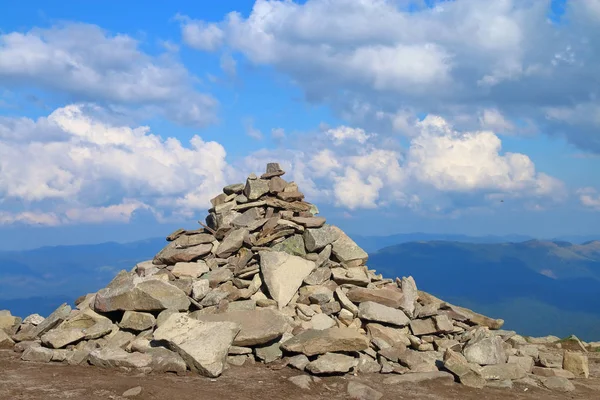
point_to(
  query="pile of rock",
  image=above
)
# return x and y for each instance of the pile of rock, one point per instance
(267, 280)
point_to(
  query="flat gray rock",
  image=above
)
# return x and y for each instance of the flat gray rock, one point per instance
(232, 242)
(59, 338)
(37, 354)
(255, 188)
(486, 351)
(346, 250)
(283, 274)
(137, 321)
(318, 238)
(559, 384)
(203, 345)
(379, 313)
(172, 254)
(257, 326)
(111, 357)
(312, 342)
(140, 294)
(330, 363)
(387, 297)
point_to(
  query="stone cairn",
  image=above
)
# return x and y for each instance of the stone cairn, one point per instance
(266, 280)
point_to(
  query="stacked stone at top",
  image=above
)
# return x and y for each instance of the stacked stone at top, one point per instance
(265, 279)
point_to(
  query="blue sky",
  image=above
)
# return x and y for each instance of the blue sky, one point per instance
(120, 121)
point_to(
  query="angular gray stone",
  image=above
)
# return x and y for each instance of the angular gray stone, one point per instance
(486, 351)
(316, 239)
(129, 293)
(213, 298)
(172, 254)
(232, 242)
(137, 321)
(111, 357)
(200, 289)
(501, 372)
(346, 250)
(476, 318)
(191, 269)
(345, 302)
(34, 319)
(5, 341)
(312, 342)
(302, 381)
(268, 354)
(459, 366)
(411, 293)
(277, 185)
(550, 359)
(547, 372)
(57, 316)
(318, 276)
(321, 322)
(299, 362)
(525, 362)
(354, 276)
(379, 313)
(203, 345)
(247, 218)
(132, 392)
(255, 188)
(309, 222)
(359, 391)
(387, 297)
(257, 326)
(37, 354)
(217, 276)
(59, 338)
(559, 384)
(235, 188)
(420, 327)
(164, 360)
(332, 363)
(283, 274)
(577, 363)
(293, 245)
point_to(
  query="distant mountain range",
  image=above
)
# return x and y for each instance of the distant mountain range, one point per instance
(538, 287)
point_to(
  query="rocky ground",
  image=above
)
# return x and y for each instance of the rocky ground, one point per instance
(32, 381)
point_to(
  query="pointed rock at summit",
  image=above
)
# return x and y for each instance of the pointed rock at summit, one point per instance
(128, 293)
(273, 169)
(284, 274)
(203, 345)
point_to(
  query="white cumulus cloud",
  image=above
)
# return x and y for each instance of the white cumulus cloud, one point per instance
(88, 63)
(91, 171)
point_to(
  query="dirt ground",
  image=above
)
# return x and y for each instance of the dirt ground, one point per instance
(31, 381)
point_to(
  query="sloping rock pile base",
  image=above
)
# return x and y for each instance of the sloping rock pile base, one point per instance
(267, 280)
